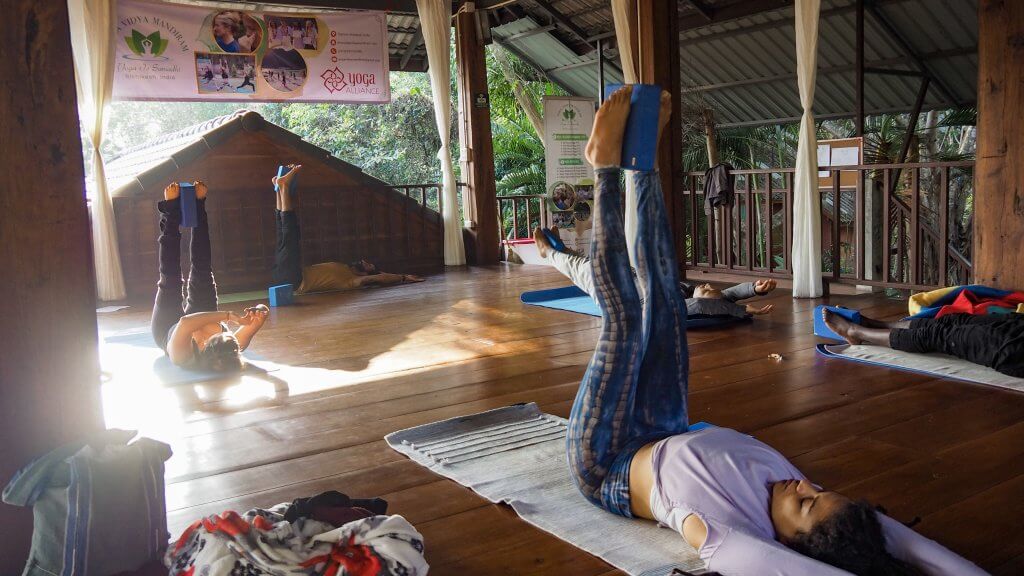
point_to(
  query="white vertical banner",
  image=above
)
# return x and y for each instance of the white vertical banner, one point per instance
(569, 178)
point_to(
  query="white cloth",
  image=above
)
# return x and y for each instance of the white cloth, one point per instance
(621, 15)
(92, 33)
(806, 255)
(436, 24)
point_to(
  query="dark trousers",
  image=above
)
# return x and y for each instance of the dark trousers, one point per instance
(172, 302)
(993, 340)
(288, 254)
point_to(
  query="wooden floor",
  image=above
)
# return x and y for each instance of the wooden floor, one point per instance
(356, 366)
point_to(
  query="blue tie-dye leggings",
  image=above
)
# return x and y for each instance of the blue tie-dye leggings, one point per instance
(634, 390)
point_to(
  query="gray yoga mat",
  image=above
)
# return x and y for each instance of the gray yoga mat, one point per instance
(142, 343)
(516, 455)
(939, 365)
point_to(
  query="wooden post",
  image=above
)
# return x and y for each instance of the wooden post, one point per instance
(658, 35)
(49, 366)
(477, 152)
(859, 72)
(999, 170)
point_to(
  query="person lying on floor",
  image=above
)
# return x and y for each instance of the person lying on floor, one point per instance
(702, 300)
(323, 277)
(993, 340)
(194, 334)
(740, 503)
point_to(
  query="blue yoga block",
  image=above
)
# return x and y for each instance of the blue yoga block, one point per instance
(820, 329)
(281, 295)
(640, 140)
(189, 218)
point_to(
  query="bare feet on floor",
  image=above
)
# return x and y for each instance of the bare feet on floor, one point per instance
(848, 330)
(604, 149)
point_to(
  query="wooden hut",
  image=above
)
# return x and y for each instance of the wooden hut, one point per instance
(345, 214)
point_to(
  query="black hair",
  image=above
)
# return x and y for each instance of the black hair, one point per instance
(220, 354)
(852, 539)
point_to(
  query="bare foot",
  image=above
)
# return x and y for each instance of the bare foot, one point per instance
(172, 191)
(287, 179)
(605, 146)
(848, 330)
(201, 189)
(543, 245)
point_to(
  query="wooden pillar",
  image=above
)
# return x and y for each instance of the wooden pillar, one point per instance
(477, 152)
(999, 169)
(658, 52)
(49, 368)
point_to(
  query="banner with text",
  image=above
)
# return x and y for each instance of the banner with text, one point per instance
(175, 52)
(569, 178)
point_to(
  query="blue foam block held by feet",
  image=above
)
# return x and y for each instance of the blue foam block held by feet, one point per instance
(822, 329)
(555, 241)
(189, 218)
(281, 171)
(281, 295)
(640, 140)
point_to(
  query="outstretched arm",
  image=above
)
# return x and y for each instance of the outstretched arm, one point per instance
(741, 554)
(927, 555)
(386, 279)
(251, 322)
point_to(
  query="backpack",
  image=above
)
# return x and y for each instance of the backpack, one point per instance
(98, 505)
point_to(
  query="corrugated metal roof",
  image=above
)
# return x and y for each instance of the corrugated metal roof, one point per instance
(550, 56)
(746, 68)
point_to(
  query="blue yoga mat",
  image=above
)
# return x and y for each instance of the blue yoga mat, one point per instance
(572, 299)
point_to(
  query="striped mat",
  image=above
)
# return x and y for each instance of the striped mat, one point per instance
(516, 455)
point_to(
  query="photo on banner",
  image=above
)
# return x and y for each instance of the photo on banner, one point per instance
(569, 179)
(175, 52)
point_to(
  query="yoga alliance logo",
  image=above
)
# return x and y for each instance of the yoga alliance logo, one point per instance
(146, 47)
(334, 80)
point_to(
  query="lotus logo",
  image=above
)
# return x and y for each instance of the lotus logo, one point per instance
(146, 46)
(569, 116)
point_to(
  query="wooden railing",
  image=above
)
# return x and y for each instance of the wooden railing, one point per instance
(923, 242)
(428, 195)
(519, 214)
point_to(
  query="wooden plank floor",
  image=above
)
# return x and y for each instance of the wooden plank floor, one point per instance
(357, 366)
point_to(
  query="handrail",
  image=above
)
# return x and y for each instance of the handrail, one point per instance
(917, 231)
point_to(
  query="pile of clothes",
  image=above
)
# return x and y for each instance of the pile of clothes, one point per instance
(328, 534)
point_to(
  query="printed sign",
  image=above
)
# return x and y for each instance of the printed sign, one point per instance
(569, 178)
(176, 52)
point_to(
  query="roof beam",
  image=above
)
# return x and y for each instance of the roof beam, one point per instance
(833, 116)
(736, 10)
(528, 33)
(835, 70)
(563, 21)
(535, 66)
(414, 43)
(706, 11)
(904, 45)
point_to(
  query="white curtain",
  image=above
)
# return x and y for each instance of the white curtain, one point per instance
(621, 15)
(436, 24)
(806, 256)
(92, 33)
